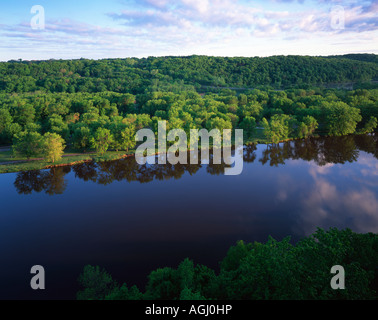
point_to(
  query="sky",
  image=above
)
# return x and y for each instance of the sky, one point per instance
(97, 29)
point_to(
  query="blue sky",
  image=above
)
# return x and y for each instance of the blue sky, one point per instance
(128, 28)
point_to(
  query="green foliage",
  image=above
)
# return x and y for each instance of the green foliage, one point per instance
(8, 129)
(97, 284)
(76, 98)
(188, 294)
(235, 255)
(307, 127)
(162, 284)
(317, 254)
(279, 127)
(53, 147)
(127, 138)
(81, 137)
(218, 123)
(101, 140)
(253, 109)
(248, 125)
(28, 144)
(5, 120)
(181, 74)
(276, 270)
(370, 126)
(56, 124)
(341, 119)
(267, 272)
(124, 293)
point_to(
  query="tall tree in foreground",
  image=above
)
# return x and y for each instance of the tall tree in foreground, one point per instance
(53, 147)
(307, 127)
(123, 135)
(97, 283)
(341, 119)
(249, 126)
(81, 137)
(102, 140)
(278, 129)
(128, 138)
(27, 144)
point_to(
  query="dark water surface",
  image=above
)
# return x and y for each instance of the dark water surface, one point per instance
(132, 219)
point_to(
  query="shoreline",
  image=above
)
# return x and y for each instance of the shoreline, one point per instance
(39, 164)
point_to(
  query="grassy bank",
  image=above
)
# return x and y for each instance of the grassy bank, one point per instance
(9, 163)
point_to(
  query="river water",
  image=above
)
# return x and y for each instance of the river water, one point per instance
(132, 219)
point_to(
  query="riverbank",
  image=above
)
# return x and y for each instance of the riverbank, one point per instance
(11, 164)
(8, 164)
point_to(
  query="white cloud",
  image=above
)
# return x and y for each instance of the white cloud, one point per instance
(201, 6)
(216, 27)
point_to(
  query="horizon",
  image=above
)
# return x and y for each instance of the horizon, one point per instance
(118, 29)
(188, 56)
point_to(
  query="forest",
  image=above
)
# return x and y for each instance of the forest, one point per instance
(275, 270)
(47, 107)
(176, 74)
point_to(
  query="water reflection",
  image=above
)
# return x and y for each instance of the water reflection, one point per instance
(336, 150)
(333, 203)
(52, 182)
(148, 217)
(322, 151)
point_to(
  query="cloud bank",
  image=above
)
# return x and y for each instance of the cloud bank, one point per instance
(212, 27)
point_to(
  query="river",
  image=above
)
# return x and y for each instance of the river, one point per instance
(132, 219)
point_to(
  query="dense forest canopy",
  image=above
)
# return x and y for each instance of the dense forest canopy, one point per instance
(134, 75)
(87, 104)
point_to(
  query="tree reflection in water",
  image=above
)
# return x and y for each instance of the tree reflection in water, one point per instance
(323, 151)
(52, 181)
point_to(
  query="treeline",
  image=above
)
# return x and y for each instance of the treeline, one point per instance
(177, 74)
(359, 57)
(276, 270)
(110, 120)
(322, 151)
